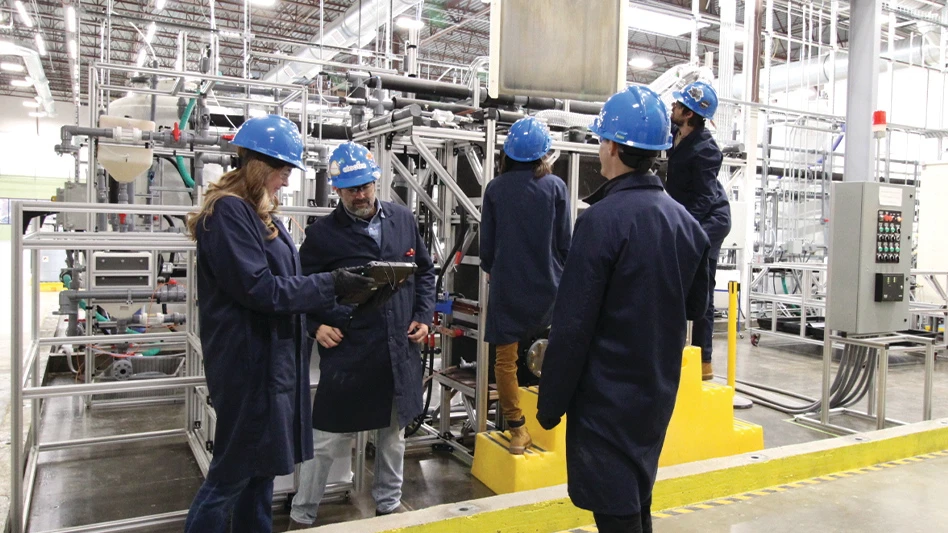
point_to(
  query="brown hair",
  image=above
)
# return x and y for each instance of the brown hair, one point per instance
(540, 167)
(249, 182)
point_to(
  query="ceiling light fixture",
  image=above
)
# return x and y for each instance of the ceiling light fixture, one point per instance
(31, 104)
(73, 49)
(142, 56)
(25, 82)
(409, 23)
(150, 32)
(640, 63)
(263, 3)
(159, 4)
(24, 15)
(38, 114)
(71, 18)
(661, 22)
(40, 44)
(11, 67)
(230, 34)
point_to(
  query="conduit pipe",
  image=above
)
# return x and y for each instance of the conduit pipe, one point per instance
(818, 71)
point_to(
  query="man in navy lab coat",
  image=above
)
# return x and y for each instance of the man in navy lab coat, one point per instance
(636, 272)
(693, 165)
(370, 360)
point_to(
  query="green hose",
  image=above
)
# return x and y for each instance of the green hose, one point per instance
(153, 351)
(182, 169)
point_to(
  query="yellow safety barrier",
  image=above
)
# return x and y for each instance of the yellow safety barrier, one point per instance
(732, 288)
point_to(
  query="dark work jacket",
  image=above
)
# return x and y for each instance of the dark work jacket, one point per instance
(636, 272)
(375, 363)
(251, 300)
(524, 238)
(693, 167)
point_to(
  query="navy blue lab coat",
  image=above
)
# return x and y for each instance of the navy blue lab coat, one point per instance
(693, 167)
(524, 238)
(637, 269)
(251, 298)
(376, 363)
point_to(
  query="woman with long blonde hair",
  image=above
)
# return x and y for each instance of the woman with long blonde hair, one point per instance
(252, 301)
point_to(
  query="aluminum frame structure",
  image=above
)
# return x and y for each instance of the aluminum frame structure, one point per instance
(27, 374)
(808, 299)
(876, 409)
(441, 148)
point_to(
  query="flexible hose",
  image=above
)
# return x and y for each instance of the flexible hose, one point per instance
(851, 384)
(182, 169)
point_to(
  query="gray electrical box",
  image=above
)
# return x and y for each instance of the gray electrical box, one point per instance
(73, 192)
(870, 257)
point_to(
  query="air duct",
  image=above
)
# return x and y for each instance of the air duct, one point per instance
(348, 30)
(34, 68)
(925, 51)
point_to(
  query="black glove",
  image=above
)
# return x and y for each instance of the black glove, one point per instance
(383, 294)
(548, 423)
(349, 281)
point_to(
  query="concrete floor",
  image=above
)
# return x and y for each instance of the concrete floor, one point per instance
(905, 499)
(77, 487)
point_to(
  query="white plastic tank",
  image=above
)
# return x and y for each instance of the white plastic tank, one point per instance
(138, 106)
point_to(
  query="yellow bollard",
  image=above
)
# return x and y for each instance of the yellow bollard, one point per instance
(732, 289)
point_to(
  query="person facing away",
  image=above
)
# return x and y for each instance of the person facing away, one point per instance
(252, 296)
(524, 238)
(370, 360)
(693, 165)
(636, 272)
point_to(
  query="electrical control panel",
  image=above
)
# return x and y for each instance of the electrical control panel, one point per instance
(870, 257)
(889, 237)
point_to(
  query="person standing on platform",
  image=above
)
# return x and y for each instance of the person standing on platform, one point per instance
(524, 239)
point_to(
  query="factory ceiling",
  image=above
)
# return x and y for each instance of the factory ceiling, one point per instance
(454, 33)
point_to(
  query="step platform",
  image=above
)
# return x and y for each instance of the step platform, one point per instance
(702, 427)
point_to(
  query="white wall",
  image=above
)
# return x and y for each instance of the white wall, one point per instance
(26, 144)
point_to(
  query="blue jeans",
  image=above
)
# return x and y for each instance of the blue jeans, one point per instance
(389, 466)
(245, 504)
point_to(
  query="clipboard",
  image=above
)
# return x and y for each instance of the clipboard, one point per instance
(384, 273)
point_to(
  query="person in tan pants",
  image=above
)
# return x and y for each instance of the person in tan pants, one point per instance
(524, 238)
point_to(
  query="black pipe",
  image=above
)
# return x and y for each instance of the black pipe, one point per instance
(394, 116)
(425, 105)
(330, 131)
(322, 188)
(586, 108)
(505, 117)
(415, 85)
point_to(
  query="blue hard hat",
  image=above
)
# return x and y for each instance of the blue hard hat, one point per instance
(273, 136)
(635, 116)
(698, 97)
(528, 140)
(351, 165)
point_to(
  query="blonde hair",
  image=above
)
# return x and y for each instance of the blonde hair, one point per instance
(248, 183)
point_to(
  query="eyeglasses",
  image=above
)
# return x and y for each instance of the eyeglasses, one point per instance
(361, 188)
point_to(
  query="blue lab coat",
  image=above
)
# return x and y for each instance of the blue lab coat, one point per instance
(376, 363)
(251, 300)
(636, 271)
(692, 181)
(524, 238)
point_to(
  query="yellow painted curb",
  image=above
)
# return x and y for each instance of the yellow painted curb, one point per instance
(766, 472)
(678, 487)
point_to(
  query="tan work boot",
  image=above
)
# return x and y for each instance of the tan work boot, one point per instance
(706, 373)
(519, 440)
